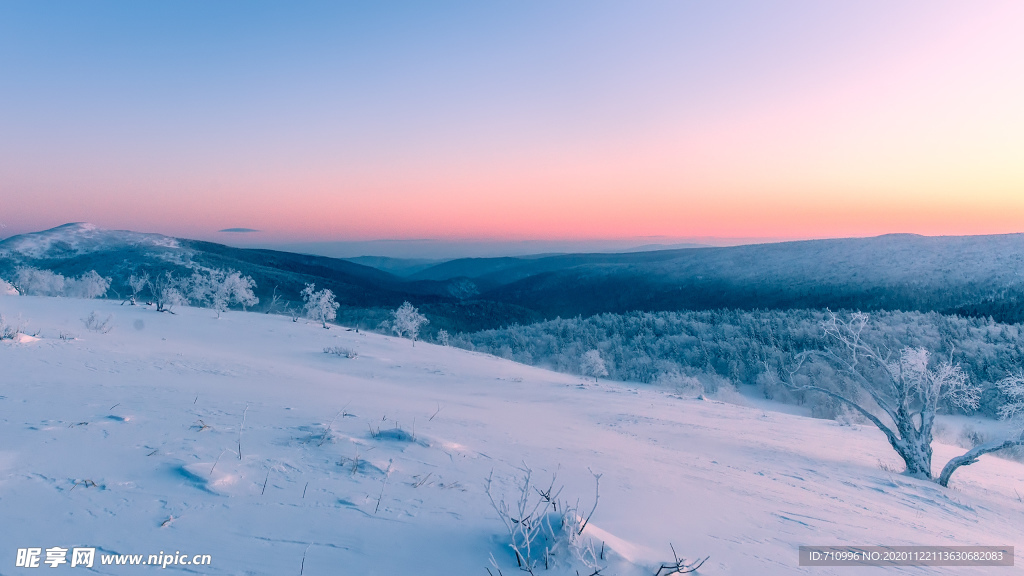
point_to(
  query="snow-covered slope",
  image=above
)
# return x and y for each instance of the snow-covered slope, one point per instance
(129, 442)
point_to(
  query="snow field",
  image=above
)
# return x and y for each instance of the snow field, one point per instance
(129, 442)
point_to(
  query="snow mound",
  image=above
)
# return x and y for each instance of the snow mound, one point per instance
(6, 289)
(214, 477)
(25, 339)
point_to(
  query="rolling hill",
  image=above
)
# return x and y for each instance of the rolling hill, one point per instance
(969, 275)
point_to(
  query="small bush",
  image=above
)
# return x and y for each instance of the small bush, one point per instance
(7, 332)
(341, 351)
(849, 417)
(544, 530)
(92, 322)
(681, 384)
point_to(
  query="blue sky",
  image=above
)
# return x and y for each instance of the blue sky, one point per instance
(512, 120)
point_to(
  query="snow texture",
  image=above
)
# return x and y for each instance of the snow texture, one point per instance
(239, 438)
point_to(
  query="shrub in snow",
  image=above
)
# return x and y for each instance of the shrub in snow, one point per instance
(407, 321)
(7, 332)
(218, 290)
(341, 351)
(591, 364)
(679, 565)
(686, 386)
(544, 530)
(847, 416)
(320, 306)
(907, 389)
(94, 323)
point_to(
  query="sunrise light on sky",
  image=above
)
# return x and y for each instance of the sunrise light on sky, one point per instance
(513, 120)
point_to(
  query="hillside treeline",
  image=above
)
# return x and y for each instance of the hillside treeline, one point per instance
(747, 347)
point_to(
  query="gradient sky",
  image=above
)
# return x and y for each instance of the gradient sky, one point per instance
(513, 119)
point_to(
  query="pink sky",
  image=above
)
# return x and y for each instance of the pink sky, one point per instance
(852, 121)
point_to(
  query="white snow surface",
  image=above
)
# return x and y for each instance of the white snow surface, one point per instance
(128, 442)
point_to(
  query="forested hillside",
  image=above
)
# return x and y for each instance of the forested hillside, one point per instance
(736, 347)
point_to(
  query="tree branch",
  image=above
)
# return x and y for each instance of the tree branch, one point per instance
(972, 455)
(893, 439)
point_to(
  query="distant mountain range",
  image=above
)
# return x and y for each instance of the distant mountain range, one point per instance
(967, 275)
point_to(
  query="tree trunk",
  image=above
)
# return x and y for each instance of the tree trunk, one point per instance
(917, 455)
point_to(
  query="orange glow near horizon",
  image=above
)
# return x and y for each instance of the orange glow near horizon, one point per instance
(916, 129)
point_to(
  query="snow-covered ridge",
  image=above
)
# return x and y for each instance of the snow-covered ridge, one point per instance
(240, 438)
(80, 238)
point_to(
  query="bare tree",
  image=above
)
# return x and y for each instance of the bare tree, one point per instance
(167, 291)
(137, 284)
(906, 387)
(276, 302)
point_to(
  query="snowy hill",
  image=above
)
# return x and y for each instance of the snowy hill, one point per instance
(970, 275)
(240, 438)
(976, 276)
(74, 249)
(79, 238)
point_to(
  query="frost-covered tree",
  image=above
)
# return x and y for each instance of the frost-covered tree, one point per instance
(443, 337)
(88, 285)
(320, 305)
(137, 284)
(1013, 388)
(898, 393)
(168, 292)
(591, 364)
(36, 282)
(736, 345)
(407, 321)
(218, 290)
